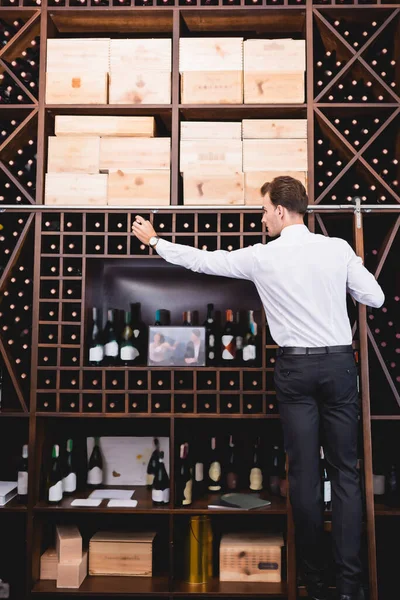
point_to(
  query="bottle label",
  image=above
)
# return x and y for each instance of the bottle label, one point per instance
(56, 492)
(160, 495)
(129, 353)
(96, 354)
(228, 352)
(214, 471)
(199, 472)
(327, 491)
(136, 333)
(69, 483)
(231, 481)
(187, 493)
(111, 349)
(249, 353)
(149, 478)
(211, 341)
(256, 479)
(95, 476)
(22, 483)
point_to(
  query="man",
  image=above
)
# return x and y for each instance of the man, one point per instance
(302, 279)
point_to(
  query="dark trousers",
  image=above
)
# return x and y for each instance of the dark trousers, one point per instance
(318, 394)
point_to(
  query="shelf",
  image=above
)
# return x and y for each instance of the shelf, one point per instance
(108, 586)
(13, 506)
(385, 417)
(241, 111)
(13, 413)
(277, 507)
(381, 510)
(110, 109)
(230, 589)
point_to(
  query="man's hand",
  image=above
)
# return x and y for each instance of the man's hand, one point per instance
(143, 229)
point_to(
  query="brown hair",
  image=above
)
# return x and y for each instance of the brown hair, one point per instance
(287, 192)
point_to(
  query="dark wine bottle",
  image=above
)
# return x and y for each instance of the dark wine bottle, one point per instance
(275, 472)
(95, 467)
(69, 469)
(23, 476)
(392, 489)
(140, 334)
(214, 469)
(239, 339)
(232, 468)
(256, 475)
(187, 319)
(111, 348)
(184, 482)
(326, 482)
(211, 337)
(198, 482)
(250, 341)
(161, 484)
(96, 346)
(153, 464)
(228, 340)
(54, 478)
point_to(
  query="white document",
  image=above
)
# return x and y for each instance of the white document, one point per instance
(85, 502)
(112, 494)
(122, 503)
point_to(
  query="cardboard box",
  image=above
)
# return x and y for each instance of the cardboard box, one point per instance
(72, 574)
(128, 187)
(75, 189)
(76, 87)
(210, 54)
(68, 543)
(140, 87)
(121, 553)
(274, 129)
(212, 87)
(210, 130)
(211, 156)
(104, 126)
(275, 55)
(254, 180)
(48, 564)
(143, 54)
(135, 153)
(274, 88)
(250, 557)
(78, 54)
(274, 155)
(213, 190)
(77, 154)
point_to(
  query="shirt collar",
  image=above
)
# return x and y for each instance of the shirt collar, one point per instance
(298, 229)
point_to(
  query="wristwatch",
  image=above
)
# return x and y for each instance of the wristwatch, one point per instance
(153, 241)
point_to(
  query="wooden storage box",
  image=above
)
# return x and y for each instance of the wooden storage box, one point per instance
(211, 156)
(77, 154)
(213, 189)
(79, 54)
(274, 155)
(143, 54)
(104, 126)
(71, 574)
(275, 55)
(254, 180)
(274, 88)
(75, 189)
(274, 129)
(68, 543)
(121, 553)
(140, 87)
(250, 557)
(211, 130)
(135, 153)
(76, 87)
(128, 187)
(212, 87)
(48, 564)
(210, 54)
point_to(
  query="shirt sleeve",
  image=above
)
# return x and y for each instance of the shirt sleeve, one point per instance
(237, 264)
(361, 284)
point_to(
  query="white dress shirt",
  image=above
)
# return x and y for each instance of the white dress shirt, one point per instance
(301, 277)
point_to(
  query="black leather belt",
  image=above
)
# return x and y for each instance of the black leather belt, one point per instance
(322, 350)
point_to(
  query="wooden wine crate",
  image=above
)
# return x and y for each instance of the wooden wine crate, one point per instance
(274, 129)
(274, 55)
(75, 189)
(121, 553)
(212, 87)
(127, 187)
(213, 189)
(73, 154)
(254, 180)
(211, 156)
(274, 88)
(68, 543)
(135, 153)
(104, 126)
(76, 87)
(78, 54)
(140, 87)
(72, 574)
(208, 130)
(141, 54)
(274, 155)
(210, 54)
(250, 557)
(48, 564)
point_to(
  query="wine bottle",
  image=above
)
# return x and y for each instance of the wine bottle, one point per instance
(69, 470)
(232, 468)
(392, 489)
(250, 343)
(238, 339)
(111, 349)
(228, 340)
(187, 319)
(198, 483)
(95, 467)
(140, 333)
(211, 337)
(275, 474)
(153, 463)
(160, 490)
(256, 476)
(326, 482)
(157, 321)
(184, 483)
(54, 479)
(214, 469)
(23, 476)
(96, 346)
(128, 350)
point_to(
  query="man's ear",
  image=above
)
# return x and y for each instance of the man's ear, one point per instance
(280, 210)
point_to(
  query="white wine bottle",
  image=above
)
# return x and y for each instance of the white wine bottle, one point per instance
(95, 468)
(23, 476)
(214, 469)
(161, 484)
(69, 470)
(54, 479)
(256, 476)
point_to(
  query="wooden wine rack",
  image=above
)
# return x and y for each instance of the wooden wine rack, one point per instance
(49, 387)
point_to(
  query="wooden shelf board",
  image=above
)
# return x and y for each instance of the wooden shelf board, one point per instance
(13, 506)
(385, 417)
(241, 111)
(277, 506)
(109, 586)
(381, 510)
(111, 19)
(230, 589)
(107, 109)
(13, 413)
